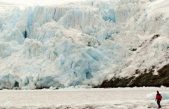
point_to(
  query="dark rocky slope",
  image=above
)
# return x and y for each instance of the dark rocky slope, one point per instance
(144, 79)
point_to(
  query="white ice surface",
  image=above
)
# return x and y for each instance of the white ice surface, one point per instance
(119, 98)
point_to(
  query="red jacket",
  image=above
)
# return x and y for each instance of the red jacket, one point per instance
(158, 97)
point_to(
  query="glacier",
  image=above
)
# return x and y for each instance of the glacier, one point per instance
(81, 43)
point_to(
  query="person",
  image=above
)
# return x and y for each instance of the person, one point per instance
(158, 99)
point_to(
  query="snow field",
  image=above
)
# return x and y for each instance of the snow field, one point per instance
(119, 98)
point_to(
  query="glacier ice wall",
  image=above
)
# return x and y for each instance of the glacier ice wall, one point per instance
(79, 43)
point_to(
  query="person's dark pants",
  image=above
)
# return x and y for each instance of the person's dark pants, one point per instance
(158, 102)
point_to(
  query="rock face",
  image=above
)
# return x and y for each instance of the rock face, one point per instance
(145, 79)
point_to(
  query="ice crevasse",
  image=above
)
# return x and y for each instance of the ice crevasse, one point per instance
(80, 43)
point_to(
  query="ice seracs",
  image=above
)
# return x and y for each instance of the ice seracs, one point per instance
(80, 43)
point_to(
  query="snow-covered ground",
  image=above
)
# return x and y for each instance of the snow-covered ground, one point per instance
(118, 98)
